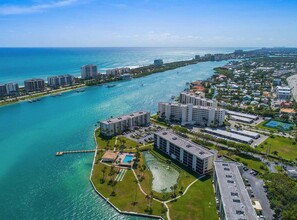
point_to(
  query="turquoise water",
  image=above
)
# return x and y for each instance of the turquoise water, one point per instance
(128, 159)
(278, 124)
(164, 176)
(17, 64)
(34, 183)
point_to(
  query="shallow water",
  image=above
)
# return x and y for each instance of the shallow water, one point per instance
(164, 176)
(34, 183)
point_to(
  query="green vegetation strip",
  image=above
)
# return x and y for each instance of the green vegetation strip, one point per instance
(198, 203)
(280, 146)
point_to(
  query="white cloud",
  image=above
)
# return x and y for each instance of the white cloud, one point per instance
(17, 9)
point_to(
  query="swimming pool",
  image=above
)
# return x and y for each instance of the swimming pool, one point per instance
(128, 159)
(278, 124)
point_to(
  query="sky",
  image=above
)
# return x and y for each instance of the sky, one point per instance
(148, 23)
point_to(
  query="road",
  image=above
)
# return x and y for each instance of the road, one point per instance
(259, 193)
(292, 81)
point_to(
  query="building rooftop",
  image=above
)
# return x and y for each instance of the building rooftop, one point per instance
(234, 117)
(185, 144)
(110, 155)
(288, 110)
(254, 117)
(188, 104)
(246, 132)
(32, 80)
(124, 117)
(236, 201)
(229, 134)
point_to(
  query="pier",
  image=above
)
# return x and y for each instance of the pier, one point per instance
(61, 153)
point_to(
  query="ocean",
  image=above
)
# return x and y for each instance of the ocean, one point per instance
(34, 183)
(18, 64)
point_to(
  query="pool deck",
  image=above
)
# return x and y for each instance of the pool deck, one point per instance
(121, 159)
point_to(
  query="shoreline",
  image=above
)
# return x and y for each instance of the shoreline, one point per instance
(106, 199)
(41, 94)
(83, 85)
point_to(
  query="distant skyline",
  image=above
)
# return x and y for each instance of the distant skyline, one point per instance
(148, 23)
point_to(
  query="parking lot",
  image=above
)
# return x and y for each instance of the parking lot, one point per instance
(142, 135)
(257, 191)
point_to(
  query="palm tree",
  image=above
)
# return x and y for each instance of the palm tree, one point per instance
(103, 174)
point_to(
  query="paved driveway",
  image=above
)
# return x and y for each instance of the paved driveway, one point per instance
(259, 193)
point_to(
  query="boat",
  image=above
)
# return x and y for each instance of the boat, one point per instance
(79, 90)
(110, 86)
(173, 97)
(30, 101)
(60, 94)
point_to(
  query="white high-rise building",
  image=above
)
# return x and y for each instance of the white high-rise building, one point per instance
(12, 88)
(191, 114)
(117, 125)
(233, 201)
(62, 80)
(118, 71)
(283, 92)
(194, 156)
(89, 71)
(197, 99)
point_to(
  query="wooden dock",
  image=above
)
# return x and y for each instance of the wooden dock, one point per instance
(61, 153)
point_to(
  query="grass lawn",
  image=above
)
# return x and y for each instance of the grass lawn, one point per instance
(248, 161)
(198, 203)
(279, 169)
(184, 179)
(127, 142)
(261, 126)
(285, 147)
(102, 142)
(127, 191)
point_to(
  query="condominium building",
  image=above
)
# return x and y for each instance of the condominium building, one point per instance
(283, 92)
(232, 198)
(3, 90)
(192, 155)
(32, 85)
(191, 114)
(197, 99)
(89, 71)
(114, 126)
(9, 89)
(62, 80)
(118, 71)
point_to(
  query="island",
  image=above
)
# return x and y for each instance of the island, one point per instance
(11, 92)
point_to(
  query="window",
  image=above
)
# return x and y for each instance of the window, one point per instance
(239, 212)
(236, 200)
(234, 194)
(230, 181)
